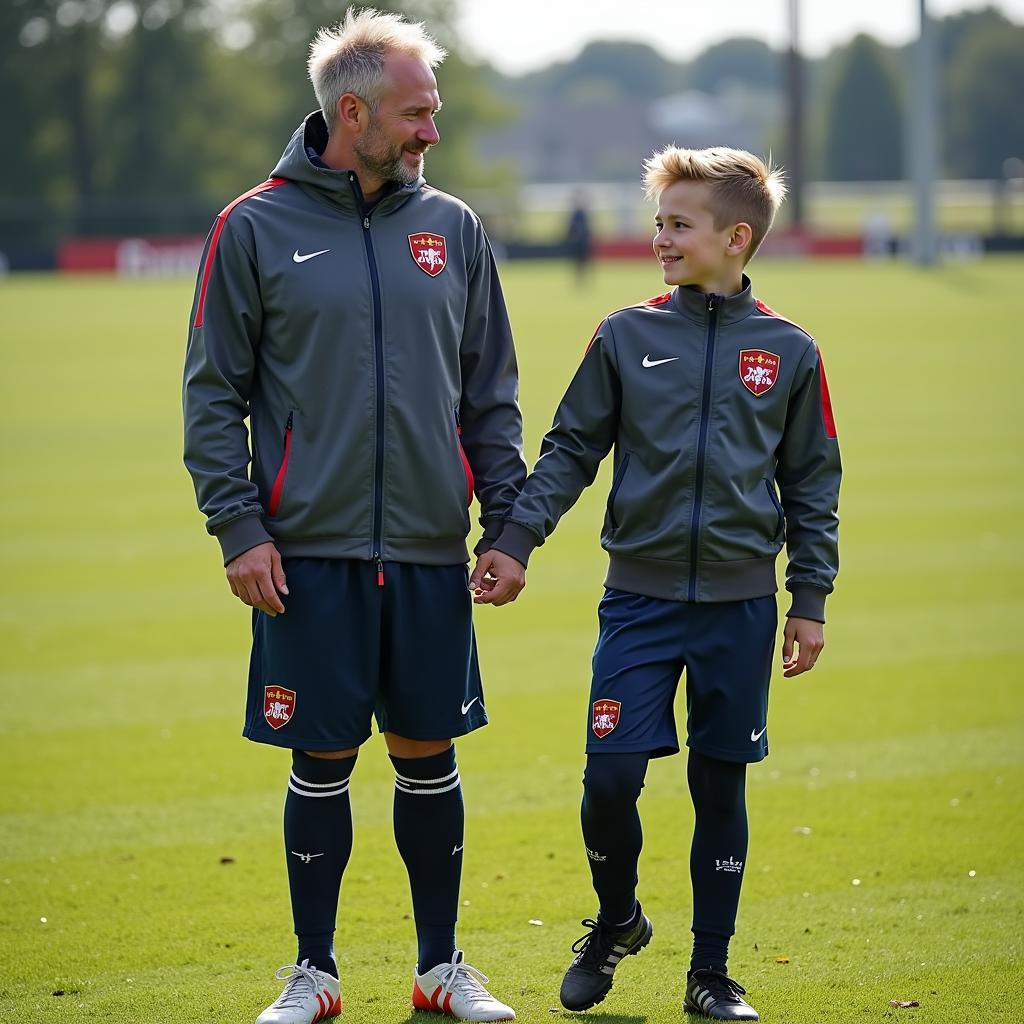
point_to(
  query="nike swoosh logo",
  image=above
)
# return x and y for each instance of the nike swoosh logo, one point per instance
(455, 849)
(466, 707)
(755, 736)
(648, 361)
(296, 258)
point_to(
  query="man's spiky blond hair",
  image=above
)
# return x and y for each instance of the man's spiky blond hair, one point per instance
(741, 186)
(350, 57)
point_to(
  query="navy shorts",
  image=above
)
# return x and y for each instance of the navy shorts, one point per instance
(347, 650)
(646, 644)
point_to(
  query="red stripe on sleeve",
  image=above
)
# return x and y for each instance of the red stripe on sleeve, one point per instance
(217, 230)
(826, 401)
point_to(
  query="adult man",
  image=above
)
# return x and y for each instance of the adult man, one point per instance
(354, 314)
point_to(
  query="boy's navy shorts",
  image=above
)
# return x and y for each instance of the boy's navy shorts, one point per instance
(347, 650)
(645, 644)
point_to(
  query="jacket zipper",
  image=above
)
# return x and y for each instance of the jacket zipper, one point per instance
(378, 352)
(282, 472)
(613, 493)
(779, 514)
(702, 444)
(467, 469)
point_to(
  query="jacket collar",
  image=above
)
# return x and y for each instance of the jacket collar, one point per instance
(338, 187)
(693, 303)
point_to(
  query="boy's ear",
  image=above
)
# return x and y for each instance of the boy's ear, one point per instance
(739, 239)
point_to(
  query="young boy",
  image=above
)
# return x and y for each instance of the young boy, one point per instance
(725, 446)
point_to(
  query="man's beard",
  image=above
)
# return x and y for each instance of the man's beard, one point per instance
(383, 160)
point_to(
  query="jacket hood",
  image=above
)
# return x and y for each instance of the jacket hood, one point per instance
(340, 187)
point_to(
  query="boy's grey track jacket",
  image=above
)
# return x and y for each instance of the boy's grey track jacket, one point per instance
(373, 356)
(725, 447)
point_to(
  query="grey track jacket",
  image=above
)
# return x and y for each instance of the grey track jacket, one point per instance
(725, 447)
(374, 359)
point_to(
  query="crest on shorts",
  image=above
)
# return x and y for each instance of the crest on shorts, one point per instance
(429, 251)
(759, 369)
(278, 706)
(606, 717)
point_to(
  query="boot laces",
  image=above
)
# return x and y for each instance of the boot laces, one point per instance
(463, 979)
(301, 981)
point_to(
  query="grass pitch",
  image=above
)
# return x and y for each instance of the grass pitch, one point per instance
(141, 872)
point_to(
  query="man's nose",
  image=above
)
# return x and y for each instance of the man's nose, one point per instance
(429, 133)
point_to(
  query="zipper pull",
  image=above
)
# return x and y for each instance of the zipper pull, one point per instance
(380, 571)
(288, 425)
(712, 302)
(366, 223)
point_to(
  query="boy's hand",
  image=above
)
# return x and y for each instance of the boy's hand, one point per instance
(497, 578)
(809, 637)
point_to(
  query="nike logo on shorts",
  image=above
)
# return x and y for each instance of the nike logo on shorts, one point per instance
(466, 707)
(755, 735)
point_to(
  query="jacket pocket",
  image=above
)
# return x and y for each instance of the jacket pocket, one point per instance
(620, 475)
(780, 520)
(275, 492)
(467, 469)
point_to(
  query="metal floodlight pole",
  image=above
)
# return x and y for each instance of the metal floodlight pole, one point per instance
(795, 119)
(924, 142)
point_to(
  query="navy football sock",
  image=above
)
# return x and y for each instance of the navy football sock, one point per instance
(318, 842)
(611, 830)
(429, 823)
(717, 855)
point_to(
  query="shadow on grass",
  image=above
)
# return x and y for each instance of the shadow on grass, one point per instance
(423, 1017)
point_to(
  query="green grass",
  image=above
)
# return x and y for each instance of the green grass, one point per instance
(145, 831)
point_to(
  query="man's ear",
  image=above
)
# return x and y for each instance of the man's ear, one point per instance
(739, 239)
(352, 113)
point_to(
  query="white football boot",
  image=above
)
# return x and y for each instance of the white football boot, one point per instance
(457, 990)
(309, 995)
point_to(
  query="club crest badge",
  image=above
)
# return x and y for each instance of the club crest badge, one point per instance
(759, 369)
(429, 251)
(606, 717)
(278, 706)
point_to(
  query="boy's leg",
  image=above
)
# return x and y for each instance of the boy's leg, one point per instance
(612, 832)
(635, 673)
(717, 856)
(729, 650)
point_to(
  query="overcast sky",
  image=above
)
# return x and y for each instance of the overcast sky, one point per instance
(522, 35)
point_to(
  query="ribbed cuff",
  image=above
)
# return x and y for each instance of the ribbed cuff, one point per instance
(492, 531)
(240, 535)
(517, 541)
(808, 603)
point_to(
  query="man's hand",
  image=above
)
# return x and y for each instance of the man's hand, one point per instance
(256, 578)
(497, 578)
(809, 637)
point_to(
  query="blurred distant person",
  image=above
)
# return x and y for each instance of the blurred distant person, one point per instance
(725, 448)
(353, 314)
(579, 242)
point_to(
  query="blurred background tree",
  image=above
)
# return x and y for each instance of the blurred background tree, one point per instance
(139, 116)
(863, 115)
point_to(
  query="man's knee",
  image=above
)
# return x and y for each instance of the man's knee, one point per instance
(399, 746)
(332, 755)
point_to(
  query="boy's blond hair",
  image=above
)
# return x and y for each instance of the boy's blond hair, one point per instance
(350, 57)
(742, 187)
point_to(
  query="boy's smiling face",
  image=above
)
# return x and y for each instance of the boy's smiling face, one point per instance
(689, 247)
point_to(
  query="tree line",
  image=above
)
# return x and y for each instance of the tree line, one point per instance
(153, 112)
